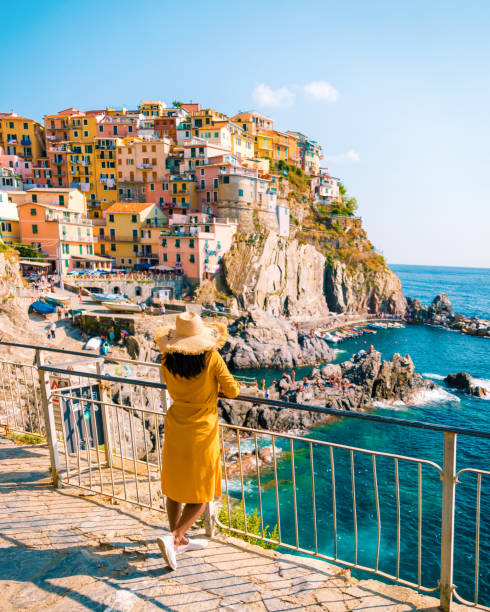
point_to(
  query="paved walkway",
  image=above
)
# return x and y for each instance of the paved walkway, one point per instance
(62, 551)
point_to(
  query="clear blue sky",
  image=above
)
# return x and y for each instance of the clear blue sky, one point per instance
(405, 121)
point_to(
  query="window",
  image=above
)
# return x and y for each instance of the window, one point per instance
(240, 192)
(164, 242)
(88, 149)
(135, 248)
(102, 249)
(101, 128)
(134, 218)
(26, 126)
(34, 229)
(75, 133)
(130, 129)
(61, 200)
(85, 122)
(216, 135)
(165, 257)
(34, 197)
(192, 258)
(85, 133)
(226, 179)
(33, 212)
(177, 257)
(215, 183)
(191, 243)
(111, 218)
(203, 184)
(177, 243)
(113, 247)
(152, 186)
(81, 249)
(135, 235)
(114, 130)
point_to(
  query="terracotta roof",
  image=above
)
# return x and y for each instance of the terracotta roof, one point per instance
(128, 207)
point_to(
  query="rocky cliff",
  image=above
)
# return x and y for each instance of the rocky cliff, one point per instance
(260, 340)
(278, 275)
(357, 289)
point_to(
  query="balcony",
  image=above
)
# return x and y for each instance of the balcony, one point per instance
(26, 142)
(145, 166)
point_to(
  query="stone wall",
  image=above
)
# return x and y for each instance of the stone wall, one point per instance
(134, 289)
(248, 217)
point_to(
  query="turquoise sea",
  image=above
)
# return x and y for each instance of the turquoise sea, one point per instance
(435, 352)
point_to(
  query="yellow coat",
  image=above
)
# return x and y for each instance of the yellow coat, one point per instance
(191, 466)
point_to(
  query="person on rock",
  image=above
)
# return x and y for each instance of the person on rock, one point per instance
(194, 373)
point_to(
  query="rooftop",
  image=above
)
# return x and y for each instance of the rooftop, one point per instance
(128, 207)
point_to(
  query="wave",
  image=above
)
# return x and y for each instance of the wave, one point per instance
(422, 398)
(479, 382)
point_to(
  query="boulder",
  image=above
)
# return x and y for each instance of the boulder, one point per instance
(441, 306)
(461, 380)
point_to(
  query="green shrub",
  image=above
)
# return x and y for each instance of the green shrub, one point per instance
(236, 519)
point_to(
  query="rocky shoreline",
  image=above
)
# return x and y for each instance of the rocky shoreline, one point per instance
(441, 312)
(354, 385)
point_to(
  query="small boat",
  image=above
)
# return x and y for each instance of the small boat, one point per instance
(122, 307)
(377, 325)
(333, 338)
(106, 297)
(56, 301)
(94, 343)
(43, 308)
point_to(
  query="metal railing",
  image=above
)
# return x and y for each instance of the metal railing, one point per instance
(105, 434)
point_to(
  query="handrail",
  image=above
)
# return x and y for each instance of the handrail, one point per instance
(289, 405)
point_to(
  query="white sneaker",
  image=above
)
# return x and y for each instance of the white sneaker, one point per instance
(167, 548)
(196, 544)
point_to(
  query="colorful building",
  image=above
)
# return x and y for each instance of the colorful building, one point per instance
(124, 236)
(140, 162)
(252, 122)
(309, 152)
(9, 219)
(21, 136)
(152, 108)
(55, 222)
(195, 245)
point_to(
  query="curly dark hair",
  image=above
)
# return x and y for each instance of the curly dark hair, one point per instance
(187, 366)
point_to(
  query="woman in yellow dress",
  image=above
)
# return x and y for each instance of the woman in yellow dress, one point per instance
(194, 373)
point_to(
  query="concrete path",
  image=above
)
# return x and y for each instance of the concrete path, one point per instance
(62, 551)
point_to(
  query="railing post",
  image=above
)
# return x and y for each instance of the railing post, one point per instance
(105, 398)
(49, 420)
(210, 518)
(447, 526)
(165, 397)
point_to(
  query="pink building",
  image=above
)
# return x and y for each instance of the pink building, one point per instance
(117, 126)
(18, 165)
(197, 246)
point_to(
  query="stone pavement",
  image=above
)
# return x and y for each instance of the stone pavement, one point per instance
(63, 551)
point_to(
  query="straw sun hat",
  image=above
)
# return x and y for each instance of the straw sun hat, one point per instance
(191, 336)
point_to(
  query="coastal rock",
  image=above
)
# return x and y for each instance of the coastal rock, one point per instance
(365, 379)
(261, 340)
(355, 289)
(277, 275)
(441, 306)
(464, 382)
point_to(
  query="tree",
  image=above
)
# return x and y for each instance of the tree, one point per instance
(177, 104)
(28, 251)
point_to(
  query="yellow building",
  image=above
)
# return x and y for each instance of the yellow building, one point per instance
(152, 108)
(21, 136)
(105, 172)
(183, 193)
(127, 235)
(264, 144)
(251, 122)
(9, 219)
(285, 147)
(242, 142)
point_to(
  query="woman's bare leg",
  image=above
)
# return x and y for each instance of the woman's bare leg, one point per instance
(189, 516)
(174, 510)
